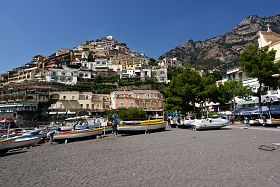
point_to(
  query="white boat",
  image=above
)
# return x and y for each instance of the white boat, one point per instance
(136, 126)
(186, 123)
(269, 122)
(6, 144)
(209, 123)
(78, 133)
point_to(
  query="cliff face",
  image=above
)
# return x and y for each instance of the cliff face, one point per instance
(221, 52)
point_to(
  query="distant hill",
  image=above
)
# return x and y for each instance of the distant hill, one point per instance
(221, 52)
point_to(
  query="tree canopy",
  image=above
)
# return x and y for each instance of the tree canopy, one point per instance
(231, 89)
(260, 63)
(187, 88)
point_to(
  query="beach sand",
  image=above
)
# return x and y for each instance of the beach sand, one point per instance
(176, 157)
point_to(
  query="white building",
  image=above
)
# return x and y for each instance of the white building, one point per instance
(238, 74)
(65, 76)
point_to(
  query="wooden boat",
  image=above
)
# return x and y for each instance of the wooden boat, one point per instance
(146, 125)
(78, 133)
(22, 142)
(41, 135)
(203, 124)
(6, 144)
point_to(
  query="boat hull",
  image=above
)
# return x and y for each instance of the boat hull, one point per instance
(6, 144)
(78, 134)
(25, 142)
(209, 124)
(145, 126)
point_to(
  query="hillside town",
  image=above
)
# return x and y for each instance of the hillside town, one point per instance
(67, 75)
(127, 93)
(51, 88)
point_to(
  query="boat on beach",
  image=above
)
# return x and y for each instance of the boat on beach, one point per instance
(209, 123)
(17, 142)
(22, 142)
(138, 126)
(187, 123)
(6, 144)
(65, 135)
(40, 134)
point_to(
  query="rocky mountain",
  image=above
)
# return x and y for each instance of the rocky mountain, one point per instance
(221, 52)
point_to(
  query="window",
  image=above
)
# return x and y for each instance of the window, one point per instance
(154, 105)
(81, 105)
(131, 104)
(148, 105)
(73, 97)
(64, 97)
(121, 104)
(141, 104)
(87, 106)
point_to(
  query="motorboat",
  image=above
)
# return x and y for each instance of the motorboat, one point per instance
(187, 123)
(209, 123)
(269, 122)
(138, 126)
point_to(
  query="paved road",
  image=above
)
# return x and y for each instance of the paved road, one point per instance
(177, 157)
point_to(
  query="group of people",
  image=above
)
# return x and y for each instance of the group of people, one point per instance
(174, 120)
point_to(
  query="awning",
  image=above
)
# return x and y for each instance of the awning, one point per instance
(61, 112)
(246, 102)
(51, 113)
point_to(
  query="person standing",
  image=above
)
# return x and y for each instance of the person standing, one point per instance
(115, 123)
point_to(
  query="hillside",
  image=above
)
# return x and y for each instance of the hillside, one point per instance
(221, 52)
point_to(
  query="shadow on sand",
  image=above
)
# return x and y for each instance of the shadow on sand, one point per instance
(141, 132)
(13, 152)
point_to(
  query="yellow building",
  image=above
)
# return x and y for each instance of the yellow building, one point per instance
(73, 102)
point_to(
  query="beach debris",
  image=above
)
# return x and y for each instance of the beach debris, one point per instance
(267, 148)
(276, 144)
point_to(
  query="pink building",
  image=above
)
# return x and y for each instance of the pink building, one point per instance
(150, 100)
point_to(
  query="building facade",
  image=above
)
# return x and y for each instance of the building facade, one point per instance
(150, 101)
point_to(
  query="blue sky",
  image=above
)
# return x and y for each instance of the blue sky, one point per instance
(32, 27)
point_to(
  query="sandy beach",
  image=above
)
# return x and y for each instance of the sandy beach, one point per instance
(176, 157)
